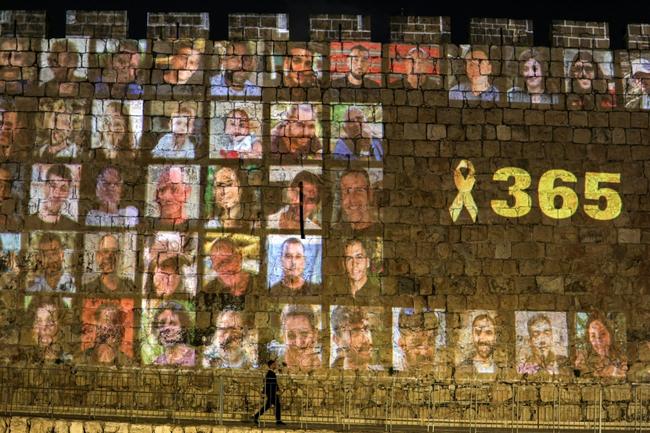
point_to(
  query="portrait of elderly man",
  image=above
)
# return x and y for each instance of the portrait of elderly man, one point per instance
(10, 202)
(357, 213)
(639, 85)
(235, 68)
(181, 141)
(352, 339)
(108, 259)
(108, 195)
(171, 329)
(358, 59)
(50, 274)
(538, 351)
(184, 66)
(478, 86)
(108, 331)
(357, 139)
(294, 137)
(232, 283)
(58, 192)
(228, 346)
(293, 262)
(288, 217)
(417, 330)
(299, 327)
(173, 192)
(298, 68)
(9, 129)
(484, 343)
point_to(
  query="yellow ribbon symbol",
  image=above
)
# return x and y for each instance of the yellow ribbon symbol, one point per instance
(464, 186)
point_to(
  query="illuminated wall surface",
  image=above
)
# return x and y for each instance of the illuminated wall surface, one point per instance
(458, 211)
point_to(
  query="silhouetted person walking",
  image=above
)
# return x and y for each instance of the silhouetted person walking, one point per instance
(271, 394)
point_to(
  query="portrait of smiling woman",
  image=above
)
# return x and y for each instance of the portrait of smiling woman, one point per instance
(45, 318)
(601, 355)
(229, 201)
(167, 328)
(533, 70)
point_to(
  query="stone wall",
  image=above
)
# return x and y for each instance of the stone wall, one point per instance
(472, 214)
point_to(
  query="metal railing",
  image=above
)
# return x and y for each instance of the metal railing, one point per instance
(219, 396)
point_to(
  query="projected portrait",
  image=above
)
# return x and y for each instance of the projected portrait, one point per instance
(232, 197)
(355, 206)
(292, 181)
(166, 332)
(600, 344)
(54, 196)
(542, 342)
(298, 344)
(48, 332)
(13, 129)
(117, 128)
(12, 190)
(477, 343)
(588, 82)
(63, 61)
(531, 82)
(184, 65)
(296, 132)
(107, 332)
(109, 263)
(51, 262)
(9, 265)
(476, 85)
(355, 64)
(173, 194)
(414, 66)
(638, 84)
(109, 209)
(418, 334)
(120, 61)
(294, 265)
(231, 264)
(236, 69)
(61, 128)
(170, 262)
(236, 130)
(233, 344)
(181, 123)
(357, 132)
(359, 267)
(353, 332)
(300, 65)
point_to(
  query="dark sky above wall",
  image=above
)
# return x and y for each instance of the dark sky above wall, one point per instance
(542, 12)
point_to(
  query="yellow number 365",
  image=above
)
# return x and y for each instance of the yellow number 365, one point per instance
(558, 201)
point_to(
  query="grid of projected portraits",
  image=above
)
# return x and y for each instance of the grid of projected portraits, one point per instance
(217, 204)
